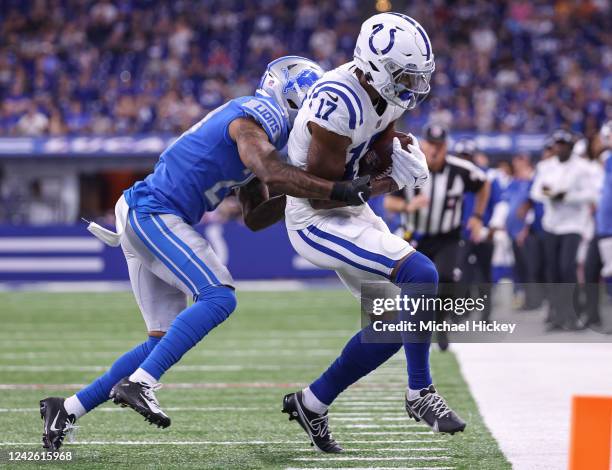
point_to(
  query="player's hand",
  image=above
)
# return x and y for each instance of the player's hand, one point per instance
(409, 166)
(353, 193)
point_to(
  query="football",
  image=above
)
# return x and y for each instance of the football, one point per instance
(377, 160)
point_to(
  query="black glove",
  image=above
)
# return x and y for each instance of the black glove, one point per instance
(354, 193)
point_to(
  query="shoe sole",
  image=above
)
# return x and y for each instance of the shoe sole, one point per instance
(151, 418)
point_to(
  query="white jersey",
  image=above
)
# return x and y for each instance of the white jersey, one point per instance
(338, 103)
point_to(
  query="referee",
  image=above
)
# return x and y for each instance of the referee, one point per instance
(431, 215)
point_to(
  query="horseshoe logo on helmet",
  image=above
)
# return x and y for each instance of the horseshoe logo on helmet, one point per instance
(375, 30)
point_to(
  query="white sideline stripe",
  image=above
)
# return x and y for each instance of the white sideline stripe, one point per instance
(55, 264)
(369, 459)
(47, 244)
(220, 443)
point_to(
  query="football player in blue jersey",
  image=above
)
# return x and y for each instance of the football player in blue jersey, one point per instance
(234, 146)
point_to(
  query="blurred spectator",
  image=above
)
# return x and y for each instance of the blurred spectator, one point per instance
(524, 226)
(501, 66)
(33, 122)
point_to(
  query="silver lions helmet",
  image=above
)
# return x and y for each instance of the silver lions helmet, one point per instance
(287, 81)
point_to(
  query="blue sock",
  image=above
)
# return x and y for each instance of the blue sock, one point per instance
(358, 358)
(608, 281)
(97, 392)
(361, 356)
(188, 329)
(417, 276)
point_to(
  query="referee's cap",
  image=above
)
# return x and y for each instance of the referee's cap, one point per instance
(435, 133)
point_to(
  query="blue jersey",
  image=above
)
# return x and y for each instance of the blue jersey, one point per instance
(196, 172)
(516, 195)
(603, 217)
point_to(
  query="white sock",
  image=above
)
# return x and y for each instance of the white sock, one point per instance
(74, 407)
(141, 375)
(413, 394)
(312, 402)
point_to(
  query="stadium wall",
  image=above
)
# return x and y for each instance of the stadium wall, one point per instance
(71, 253)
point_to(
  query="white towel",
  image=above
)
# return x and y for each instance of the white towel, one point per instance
(107, 236)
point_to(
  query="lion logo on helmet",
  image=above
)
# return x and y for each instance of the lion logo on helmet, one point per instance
(303, 80)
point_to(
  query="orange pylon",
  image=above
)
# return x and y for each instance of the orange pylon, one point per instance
(591, 433)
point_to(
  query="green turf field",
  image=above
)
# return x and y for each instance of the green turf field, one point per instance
(225, 396)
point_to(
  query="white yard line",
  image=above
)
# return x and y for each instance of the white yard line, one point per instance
(399, 412)
(524, 393)
(369, 459)
(335, 417)
(178, 368)
(381, 426)
(218, 443)
(387, 433)
(169, 408)
(112, 354)
(183, 385)
(380, 449)
(360, 401)
(369, 468)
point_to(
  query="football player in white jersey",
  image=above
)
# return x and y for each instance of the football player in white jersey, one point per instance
(344, 112)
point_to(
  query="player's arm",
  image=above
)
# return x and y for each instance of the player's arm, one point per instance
(260, 209)
(260, 156)
(481, 186)
(326, 159)
(397, 203)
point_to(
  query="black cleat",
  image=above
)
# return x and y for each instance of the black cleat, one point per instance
(431, 408)
(57, 423)
(315, 425)
(141, 398)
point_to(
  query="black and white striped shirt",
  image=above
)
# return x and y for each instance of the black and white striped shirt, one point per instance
(444, 190)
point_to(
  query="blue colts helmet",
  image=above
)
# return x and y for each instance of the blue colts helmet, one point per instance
(287, 80)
